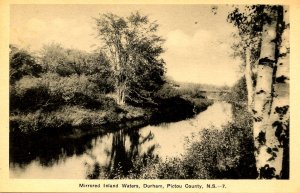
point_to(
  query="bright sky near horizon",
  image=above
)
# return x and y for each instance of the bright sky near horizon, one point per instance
(197, 41)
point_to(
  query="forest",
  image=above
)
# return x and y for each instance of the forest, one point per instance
(68, 94)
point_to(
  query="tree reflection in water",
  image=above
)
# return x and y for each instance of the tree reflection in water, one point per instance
(125, 148)
(47, 148)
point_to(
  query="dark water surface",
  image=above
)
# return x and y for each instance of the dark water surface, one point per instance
(84, 157)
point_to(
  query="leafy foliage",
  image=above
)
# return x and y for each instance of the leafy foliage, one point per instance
(134, 51)
(22, 63)
(249, 21)
(238, 93)
(67, 62)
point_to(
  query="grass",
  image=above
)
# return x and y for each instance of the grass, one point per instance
(73, 116)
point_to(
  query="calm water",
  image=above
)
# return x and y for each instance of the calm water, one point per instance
(85, 157)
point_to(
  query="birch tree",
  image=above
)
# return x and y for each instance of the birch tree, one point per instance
(248, 21)
(270, 108)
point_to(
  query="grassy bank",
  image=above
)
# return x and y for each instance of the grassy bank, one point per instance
(51, 102)
(126, 116)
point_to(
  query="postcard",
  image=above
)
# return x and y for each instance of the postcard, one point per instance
(149, 96)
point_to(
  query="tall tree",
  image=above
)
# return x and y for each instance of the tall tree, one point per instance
(134, 50)
(280, 114)
(271, 92)
(248, 20)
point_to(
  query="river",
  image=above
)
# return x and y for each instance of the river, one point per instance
(83, 158)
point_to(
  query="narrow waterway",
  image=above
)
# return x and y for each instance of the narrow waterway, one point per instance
(84, 158)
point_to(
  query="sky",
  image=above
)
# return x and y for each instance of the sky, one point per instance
(197, 41)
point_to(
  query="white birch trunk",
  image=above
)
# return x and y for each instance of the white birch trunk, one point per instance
(263, 96)
(279, 139)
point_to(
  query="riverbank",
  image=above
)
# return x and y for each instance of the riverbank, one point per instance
(39, 156)
(77, 120)
(73, 128)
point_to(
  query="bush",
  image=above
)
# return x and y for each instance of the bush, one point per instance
(238, 93)
(68, 62)
(166, 91)
(22, 63)
(68, 86)
(51, 91)
(217, 152)
(28, 94)
(152, 167)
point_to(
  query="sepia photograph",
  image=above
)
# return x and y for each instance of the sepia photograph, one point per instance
(149, 91)
(199, 91)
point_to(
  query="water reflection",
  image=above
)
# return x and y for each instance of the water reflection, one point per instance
(107, 155)
(111, 161)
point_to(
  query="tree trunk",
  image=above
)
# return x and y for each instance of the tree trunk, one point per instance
(248, 77)
(280, 107)
(262, 127)
(121, 90)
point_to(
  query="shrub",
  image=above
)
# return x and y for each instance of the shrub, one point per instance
(238, 93)
(68, 86)
(68, 62)
(217, 152)
(166, 91)
(51, 91)
(153, 167)
(22, 63)
(225, 153)
(28, 94)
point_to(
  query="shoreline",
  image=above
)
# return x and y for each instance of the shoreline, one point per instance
(123, 121)
(54, 138)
